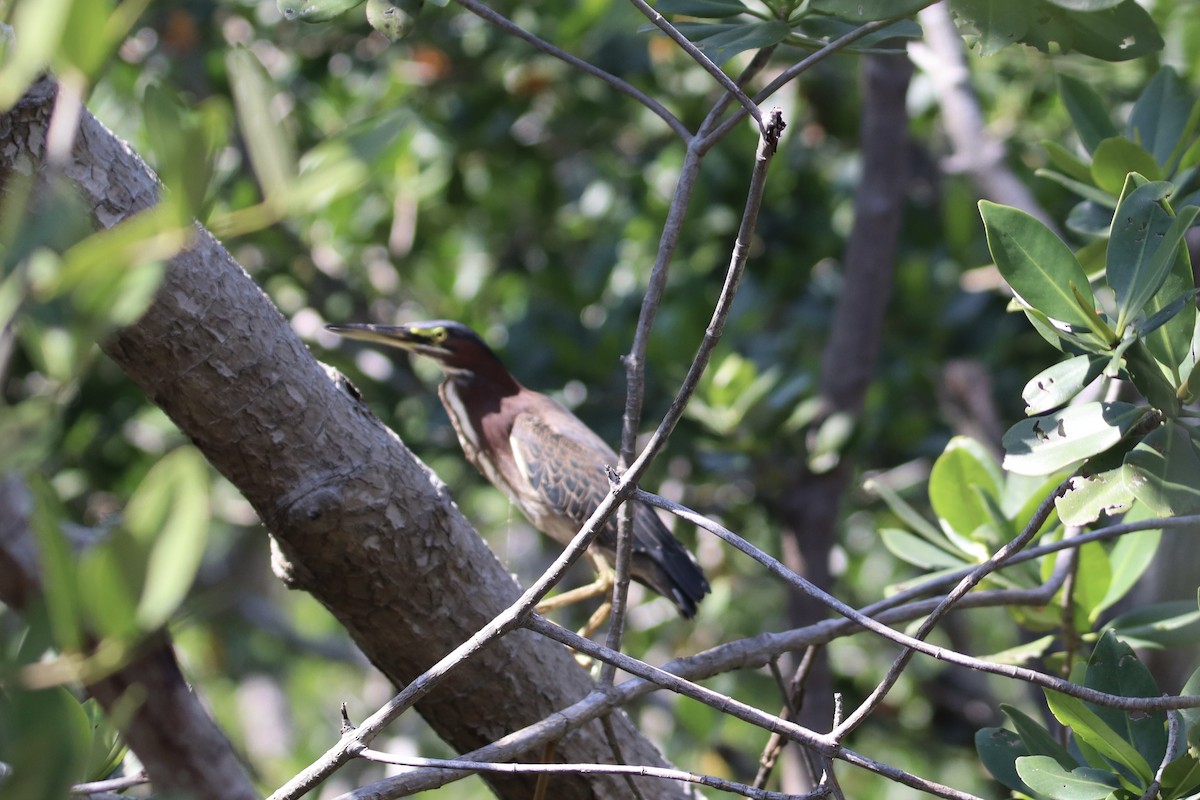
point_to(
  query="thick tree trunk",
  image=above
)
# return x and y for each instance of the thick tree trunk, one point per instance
(360, 523)
(811, 508)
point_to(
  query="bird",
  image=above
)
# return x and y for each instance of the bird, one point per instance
(549, 463)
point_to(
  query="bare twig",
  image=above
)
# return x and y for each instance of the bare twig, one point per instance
(709, 781)
(791, 73)
(734, 708)
(914, 643)
(704, 61)
(111, 785)
(1032, 528)
(511, 28)
(1173, 726)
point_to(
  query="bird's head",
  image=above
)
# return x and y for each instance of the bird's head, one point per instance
(456, 348)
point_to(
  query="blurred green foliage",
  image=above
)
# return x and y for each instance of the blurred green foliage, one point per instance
(457, 173)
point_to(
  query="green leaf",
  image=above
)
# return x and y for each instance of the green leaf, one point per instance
(903, 510)
(723, 41)
(29, 432)
(1045, 444)
(271, 152)
(1163, 471)
(44, 737)
(1191, 716)
(1182, 776)
(1044, 775)
(995, 23)
(1084, 189)
(1084, 5)
(1054, 386)
(999, 750)
(395, 19)
(314, 10)
(1130, 556)
(1090, 219)
(1038, 740)
(1067, 162)
(1091, 495)
(1115, 158)
(1120, 33)
(1114, 668)
(1171, 343)
(38, 31)
(1168, 312)
(1088, 112)
(169, 514)
(1093, 579)
(918, 552)
(1037, 264)
(1175, 623)
(964, 465)
(1142, 247)
(868, 10)
(706, 9)
(1090, 728)
(1161, 115)
(1024, 653)
(111, 575)
(57, 561)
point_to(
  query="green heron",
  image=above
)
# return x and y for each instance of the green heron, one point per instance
(542, 456)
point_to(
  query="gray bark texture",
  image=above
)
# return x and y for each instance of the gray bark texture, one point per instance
(359, 522)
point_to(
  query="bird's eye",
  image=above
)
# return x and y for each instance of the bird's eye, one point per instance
(439, 335)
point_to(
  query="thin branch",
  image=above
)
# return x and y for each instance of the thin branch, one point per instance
(704, 61)
(733, 276)
(111, 785)
(511, 28)
(682, 776)
(735, 708)
(793, 72)
(1173, 726)
(914, 643)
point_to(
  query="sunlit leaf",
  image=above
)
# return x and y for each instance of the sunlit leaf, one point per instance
(169, 515)
(395, 19)
(1090, 728)
(1163, 471)
(1175, 623)
(1055, 385)
(315, 10)
(1116, 157)
(963, 466)
(1037, 264)
(917, 551)
(1043, 774)
(1045, 444)
(271, 151)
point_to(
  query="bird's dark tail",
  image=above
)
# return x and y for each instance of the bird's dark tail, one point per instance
(661, 562)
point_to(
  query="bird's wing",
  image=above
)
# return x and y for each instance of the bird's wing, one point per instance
(567, 471)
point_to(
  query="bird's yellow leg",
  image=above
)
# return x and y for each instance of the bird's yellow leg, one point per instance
(601, 587)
